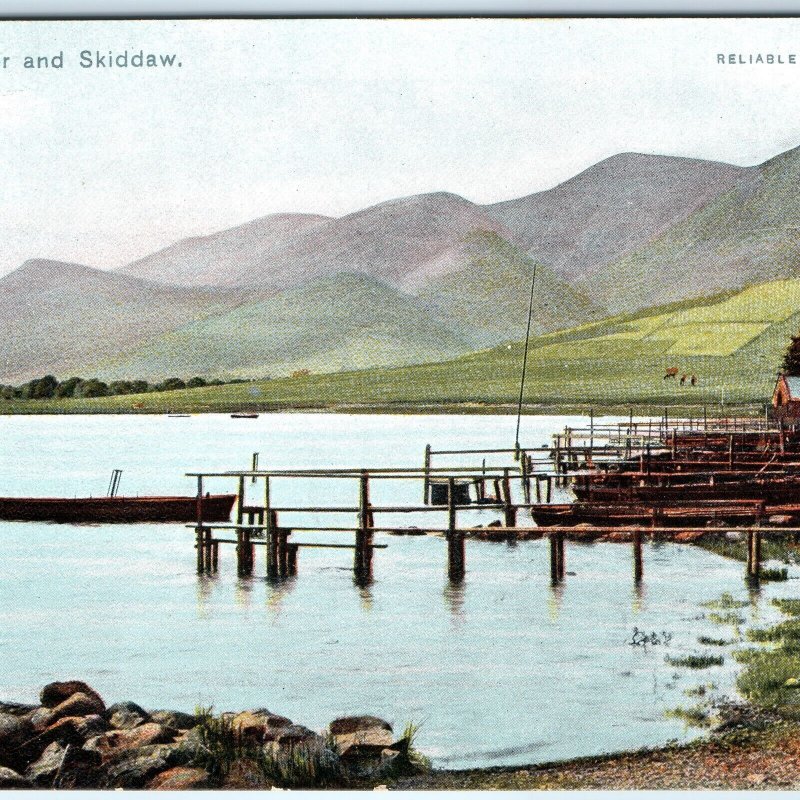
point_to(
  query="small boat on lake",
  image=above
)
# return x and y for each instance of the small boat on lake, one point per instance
(244, 415)
(216, 508)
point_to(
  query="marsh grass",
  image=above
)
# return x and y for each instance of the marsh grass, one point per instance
(696, 716)
(700, 691)
(710, 640)
(696, 661)
(725, 602)
(728, 618)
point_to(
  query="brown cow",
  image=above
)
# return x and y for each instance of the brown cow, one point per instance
(683, 380)
(693, 380)
(672, 372)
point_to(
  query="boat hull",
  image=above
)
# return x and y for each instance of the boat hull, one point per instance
(216, 508)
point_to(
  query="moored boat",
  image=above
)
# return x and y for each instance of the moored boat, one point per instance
(215, 508)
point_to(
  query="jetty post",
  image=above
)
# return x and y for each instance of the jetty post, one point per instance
(456, 550)
(362, 560)
(426, 482)
(199, 529)
(638, 560)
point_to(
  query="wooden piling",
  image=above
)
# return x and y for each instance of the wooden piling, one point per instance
(215, 556)
(509, 510)
(638, 561)
(562, 556)
(549, 484)
(426, 484)
(292, 558)
(362, 558)
(200, 550)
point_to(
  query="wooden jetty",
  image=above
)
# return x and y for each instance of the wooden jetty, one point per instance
(641, 474)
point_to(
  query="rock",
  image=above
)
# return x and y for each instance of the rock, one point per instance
(13, 731)
(126, 715)
(362, 737)
(174, 719)
(12, 780)
(260, 725)
(17, 709)
(353, 724)
(180, 778)
(294, 735)
(780, 519)
(44, 770)
(56, 693)
(113, 744)
(735, 536)
(79, 705)
(40, 718)
(71, 730)
(688, 536)
(139, 766)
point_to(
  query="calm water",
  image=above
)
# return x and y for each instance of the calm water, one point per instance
(502, 669)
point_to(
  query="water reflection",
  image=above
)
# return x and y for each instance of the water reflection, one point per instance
(555, 600)
(243, 592)
(278, 590)
(205, 589)
(454, 599)
(639, 597)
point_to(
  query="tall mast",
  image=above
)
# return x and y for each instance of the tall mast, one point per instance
(525, 361)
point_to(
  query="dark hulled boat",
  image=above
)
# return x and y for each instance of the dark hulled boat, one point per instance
(770, 489)
(699, 514)
(216, 508)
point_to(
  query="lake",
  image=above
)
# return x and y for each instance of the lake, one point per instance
(503, 669)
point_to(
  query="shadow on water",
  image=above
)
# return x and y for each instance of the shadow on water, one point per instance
(639, 597)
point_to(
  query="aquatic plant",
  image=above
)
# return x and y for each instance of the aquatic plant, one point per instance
(729, 618)
(725, 602)
(788, 605)
(697, 716)
(701, 690)
(696, 661)
(710, 640)
(774, 574)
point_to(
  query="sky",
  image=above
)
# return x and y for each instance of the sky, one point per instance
(102, 166)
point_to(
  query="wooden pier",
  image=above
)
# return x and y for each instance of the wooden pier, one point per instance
(519, 484)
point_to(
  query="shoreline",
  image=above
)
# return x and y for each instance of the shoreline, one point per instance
(72, 740)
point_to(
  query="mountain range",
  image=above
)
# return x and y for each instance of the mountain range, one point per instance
(415, 279)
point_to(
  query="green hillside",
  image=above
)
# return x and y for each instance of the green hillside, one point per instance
(733, 343)
(491, 291)
(347, 321)
(749, 234)
(475, 296)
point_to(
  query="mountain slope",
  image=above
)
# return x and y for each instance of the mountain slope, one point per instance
(611, 208)
(384, 241)
(58, 317)
(485, 282)
(348, 321)
(222, 258)
(751, 233)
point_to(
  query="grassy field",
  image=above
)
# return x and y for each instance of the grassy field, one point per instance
(732, 343)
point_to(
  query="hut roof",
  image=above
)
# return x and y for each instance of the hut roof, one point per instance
(793, 385)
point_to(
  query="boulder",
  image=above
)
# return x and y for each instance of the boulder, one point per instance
(113, 744)
(40, 718)
(12, 780)
(56, 693)
(17, 709)
(362, 737)
(174, 719)
(137, 767)
(73, 730)
(359, 723)
(260, 725)
(688, 536)
(13, 731)
(126, 715)
(180, 778)
(294, 735)
(43, 771)
(79, 704)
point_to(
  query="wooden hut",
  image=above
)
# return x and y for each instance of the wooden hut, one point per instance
(786, 398)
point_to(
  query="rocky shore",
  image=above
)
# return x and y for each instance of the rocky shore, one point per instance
(74, 740)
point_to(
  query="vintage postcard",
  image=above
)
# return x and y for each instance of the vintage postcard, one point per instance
(400, 403)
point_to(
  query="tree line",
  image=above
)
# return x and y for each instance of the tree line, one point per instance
(49, 386)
